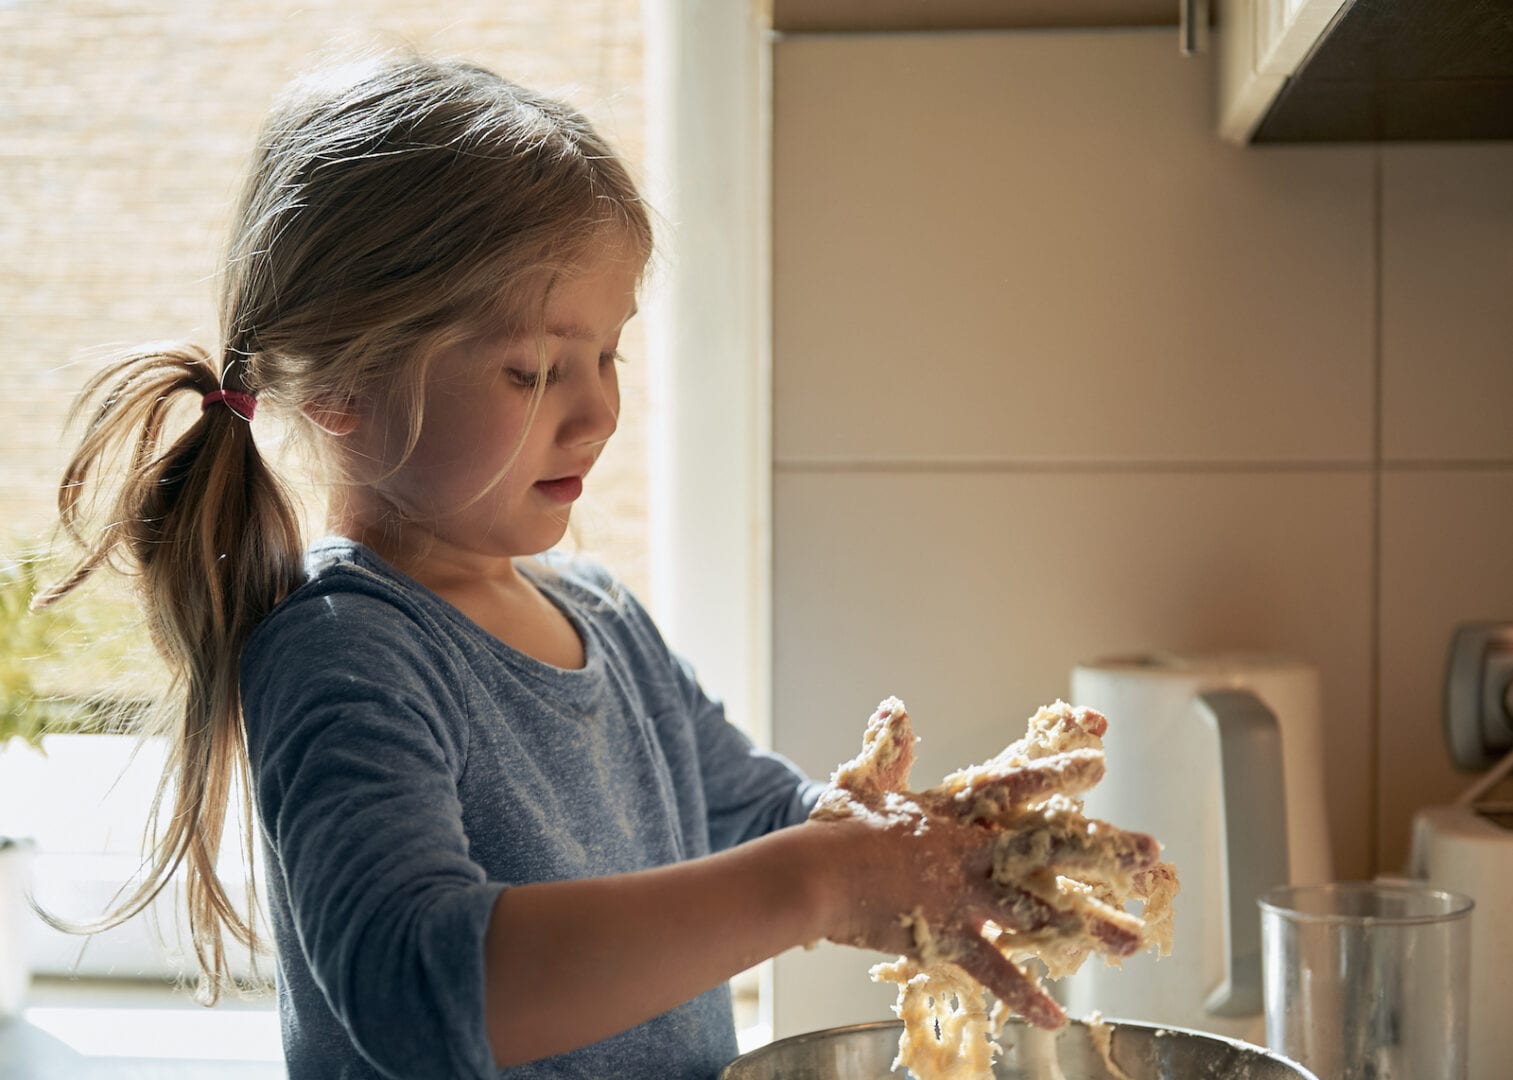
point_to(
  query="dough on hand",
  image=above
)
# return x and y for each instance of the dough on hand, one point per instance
(1063, 880)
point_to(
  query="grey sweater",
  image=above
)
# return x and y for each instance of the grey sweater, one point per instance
(407, 766)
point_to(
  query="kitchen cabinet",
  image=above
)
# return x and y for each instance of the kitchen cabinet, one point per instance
(1390, 70)
(1262, 44)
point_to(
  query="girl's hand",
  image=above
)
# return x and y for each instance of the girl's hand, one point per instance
(969, 872)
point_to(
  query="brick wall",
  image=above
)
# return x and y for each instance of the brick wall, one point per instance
(123, 129)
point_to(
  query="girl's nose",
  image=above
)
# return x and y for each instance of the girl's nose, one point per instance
(596, 409)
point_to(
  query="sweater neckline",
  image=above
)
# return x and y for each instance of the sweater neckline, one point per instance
(556, 588)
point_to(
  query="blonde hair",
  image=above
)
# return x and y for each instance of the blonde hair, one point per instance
(395, 205)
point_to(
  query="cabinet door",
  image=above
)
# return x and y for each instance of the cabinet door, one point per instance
(1260, 44)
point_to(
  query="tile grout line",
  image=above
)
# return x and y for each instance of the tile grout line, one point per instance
(1374, 663)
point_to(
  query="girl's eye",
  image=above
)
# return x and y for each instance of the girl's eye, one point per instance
(528, 378)
(610, 357)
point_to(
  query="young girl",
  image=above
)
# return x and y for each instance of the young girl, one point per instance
(504, 828)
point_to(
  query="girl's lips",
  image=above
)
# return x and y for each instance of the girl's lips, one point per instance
(565, 490)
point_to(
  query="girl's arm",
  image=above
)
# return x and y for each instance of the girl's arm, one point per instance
(876, 866)
(571, 962)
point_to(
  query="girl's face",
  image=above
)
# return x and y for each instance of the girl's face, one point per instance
(477, 403)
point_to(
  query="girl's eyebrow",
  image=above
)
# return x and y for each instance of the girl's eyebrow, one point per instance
(571, 331)
(574, 332)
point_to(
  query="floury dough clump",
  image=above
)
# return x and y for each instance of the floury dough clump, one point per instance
(1061, 880)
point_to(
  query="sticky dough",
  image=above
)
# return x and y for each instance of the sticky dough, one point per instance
(951, 1023)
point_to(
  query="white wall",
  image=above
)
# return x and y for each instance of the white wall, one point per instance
(1058, 374)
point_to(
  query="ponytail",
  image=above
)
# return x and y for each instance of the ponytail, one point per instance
(213, 542)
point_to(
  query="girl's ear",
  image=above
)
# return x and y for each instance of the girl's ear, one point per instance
(334, 418)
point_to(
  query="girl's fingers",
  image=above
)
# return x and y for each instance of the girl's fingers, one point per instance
(1021, 911)
(990, 794)
(1029, 919)
(1008, 983)
(1071, 843)
(1058, 725)
(887, 754)
(1116, 932)
(1153, 878)
(1003, 843)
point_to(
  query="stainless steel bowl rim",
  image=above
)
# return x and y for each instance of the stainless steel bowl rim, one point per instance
(1157, 1030)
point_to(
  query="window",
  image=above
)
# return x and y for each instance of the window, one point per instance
(122, 141)
(123, 137)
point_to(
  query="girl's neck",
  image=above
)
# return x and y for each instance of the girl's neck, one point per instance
(440, 566)
(489, 589)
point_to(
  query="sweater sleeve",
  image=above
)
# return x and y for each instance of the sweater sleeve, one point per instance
(356, 740)
(748, 792)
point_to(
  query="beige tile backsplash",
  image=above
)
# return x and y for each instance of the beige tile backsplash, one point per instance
(1058, 374)
(1447, 302)
(1024, 267)
(971, 596)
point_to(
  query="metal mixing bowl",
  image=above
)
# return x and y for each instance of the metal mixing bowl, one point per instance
(1142, 1051)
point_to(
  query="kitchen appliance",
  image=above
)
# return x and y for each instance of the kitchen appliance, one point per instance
(1467, 847)
(1220, 757)
(1139, 1051)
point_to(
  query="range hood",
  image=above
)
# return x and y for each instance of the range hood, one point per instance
(1365, 70)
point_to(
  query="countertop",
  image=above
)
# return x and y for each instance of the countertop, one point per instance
(97, 1029)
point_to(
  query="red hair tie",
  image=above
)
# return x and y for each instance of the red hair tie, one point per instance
(244, 405)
